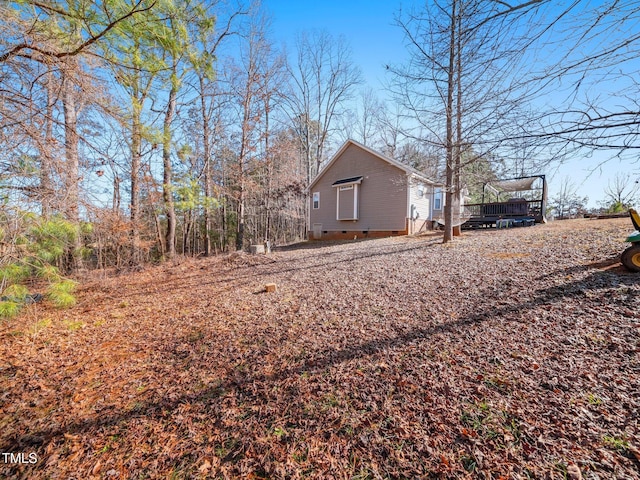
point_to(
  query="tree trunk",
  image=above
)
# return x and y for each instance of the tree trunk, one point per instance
(241, 213)
(116, 193)
(243, 157)
(185, 233)
(71, 138)
(267, 229)
(71, 150)
(46, 189)
(208, 174)
(159, 235)
(136, 157)
(458, 147)
(224, 240)
(450, 169)
(167, 193)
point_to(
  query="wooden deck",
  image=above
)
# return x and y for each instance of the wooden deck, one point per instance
(487, 214)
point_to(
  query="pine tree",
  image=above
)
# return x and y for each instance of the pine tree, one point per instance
(39, 251)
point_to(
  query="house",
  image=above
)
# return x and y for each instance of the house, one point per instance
(362, 193)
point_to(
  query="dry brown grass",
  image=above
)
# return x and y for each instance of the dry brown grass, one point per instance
(508, 354)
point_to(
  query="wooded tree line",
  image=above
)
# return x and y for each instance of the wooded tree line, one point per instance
(172, 126)
(178, 127)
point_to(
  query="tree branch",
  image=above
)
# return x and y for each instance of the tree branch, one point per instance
(19, 49)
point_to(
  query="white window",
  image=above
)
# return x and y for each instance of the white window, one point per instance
(347, 191)
(437, 199)
(316, 200)
(420, 191)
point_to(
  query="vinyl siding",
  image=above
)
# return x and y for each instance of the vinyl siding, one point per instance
(382, 195)
(422, 203)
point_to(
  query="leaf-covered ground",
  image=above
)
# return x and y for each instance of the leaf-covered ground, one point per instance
(510, 354)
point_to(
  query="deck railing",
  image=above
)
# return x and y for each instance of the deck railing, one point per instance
(519, 208)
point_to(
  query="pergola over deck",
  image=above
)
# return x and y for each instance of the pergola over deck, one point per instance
(521, 198)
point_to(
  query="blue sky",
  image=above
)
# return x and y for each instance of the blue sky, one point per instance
(368, 27)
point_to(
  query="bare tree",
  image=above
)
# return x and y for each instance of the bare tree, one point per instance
(587, 61)
(208, 42)
(392, 134)
(567, 203)
(363, 122)
(456, 84)
(621, 193)
(323, 79)
(254, 86)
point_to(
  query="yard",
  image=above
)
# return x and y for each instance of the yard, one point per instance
(509, 354)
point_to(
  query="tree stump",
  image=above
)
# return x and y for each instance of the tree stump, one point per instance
(256, 249)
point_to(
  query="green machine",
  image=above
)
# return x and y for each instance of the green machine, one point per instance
(631, 256)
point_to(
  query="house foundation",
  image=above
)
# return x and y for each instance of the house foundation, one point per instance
(356, 234)
(411, 227)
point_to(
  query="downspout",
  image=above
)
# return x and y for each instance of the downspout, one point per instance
(409, 220)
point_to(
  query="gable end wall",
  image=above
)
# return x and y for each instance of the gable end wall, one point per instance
(382, 196)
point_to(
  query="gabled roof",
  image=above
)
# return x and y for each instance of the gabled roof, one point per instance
(407, 169)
